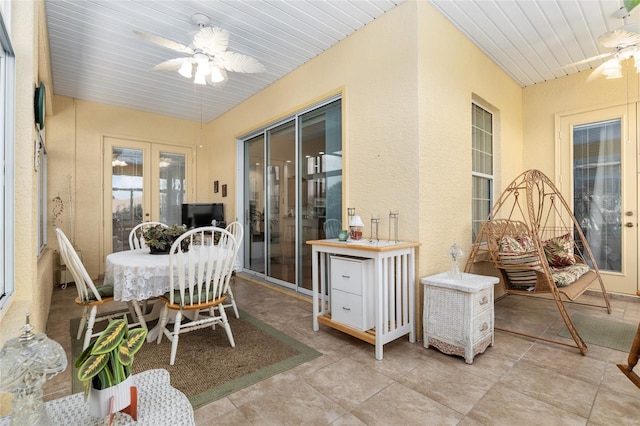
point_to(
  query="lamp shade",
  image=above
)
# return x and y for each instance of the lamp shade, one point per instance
(356, 221)
(216, 75)
(186, 69)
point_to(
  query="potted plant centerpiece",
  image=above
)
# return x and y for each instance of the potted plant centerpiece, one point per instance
(160, 238)
(104, 367)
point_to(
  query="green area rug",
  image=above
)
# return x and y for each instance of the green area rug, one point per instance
(207, 367)
(605, 332)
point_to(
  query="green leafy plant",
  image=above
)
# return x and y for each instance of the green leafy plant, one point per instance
(107, 360)
(160, 238)
(631, 4)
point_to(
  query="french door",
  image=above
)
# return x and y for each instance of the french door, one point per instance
(143, 182)
(597, 165)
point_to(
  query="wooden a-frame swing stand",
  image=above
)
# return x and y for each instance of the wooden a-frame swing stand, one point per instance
(531, 211)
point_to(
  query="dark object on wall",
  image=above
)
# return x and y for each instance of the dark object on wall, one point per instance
(215, 186)
(224, 190)
(39, 103)
(195, 215)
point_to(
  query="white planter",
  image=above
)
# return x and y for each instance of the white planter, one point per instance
(99, 400)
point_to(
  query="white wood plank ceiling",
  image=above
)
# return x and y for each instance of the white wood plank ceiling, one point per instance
(96, 56)
(533, 40)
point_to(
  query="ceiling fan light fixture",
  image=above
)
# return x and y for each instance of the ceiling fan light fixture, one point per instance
(216, 74)
(186, 69)
(201, 73)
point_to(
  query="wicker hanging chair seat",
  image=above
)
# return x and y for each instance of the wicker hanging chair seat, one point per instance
(534, 240)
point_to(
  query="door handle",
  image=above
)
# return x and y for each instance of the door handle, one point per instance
(629, 225)
(628, 213)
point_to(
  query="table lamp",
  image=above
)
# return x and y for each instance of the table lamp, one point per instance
(26, 362)
(355, 228)
(455, 253)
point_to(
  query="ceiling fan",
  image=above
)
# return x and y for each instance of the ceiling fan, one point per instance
(625, 42)
(207, 54)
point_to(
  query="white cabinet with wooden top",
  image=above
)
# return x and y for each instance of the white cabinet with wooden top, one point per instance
(352, 292)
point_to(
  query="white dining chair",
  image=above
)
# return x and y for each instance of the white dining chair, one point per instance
(136, 236)
(200, 266)
(90, 296)
(238, 233)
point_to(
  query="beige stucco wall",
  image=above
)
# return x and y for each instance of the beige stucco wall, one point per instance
(567, 95)
(407, 123)
(376, 75)
(451, 75)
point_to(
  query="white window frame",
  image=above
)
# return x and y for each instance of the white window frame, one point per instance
(7, 160)
(477, 218)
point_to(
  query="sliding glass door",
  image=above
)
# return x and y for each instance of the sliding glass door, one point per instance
(281, 166)
(293, 193)
(320, 195)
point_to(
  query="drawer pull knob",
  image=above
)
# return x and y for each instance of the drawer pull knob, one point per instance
(346, 276)
(345, 308)
(484, 327)
(484, 300)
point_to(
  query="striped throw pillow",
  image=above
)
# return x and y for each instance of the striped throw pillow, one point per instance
(516, 251)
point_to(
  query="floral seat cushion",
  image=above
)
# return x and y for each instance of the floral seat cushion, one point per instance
(563, 276)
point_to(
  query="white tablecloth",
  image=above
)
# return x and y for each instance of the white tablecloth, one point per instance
(137, 275)
(158, 404)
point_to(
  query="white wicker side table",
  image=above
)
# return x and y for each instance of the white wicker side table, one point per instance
(158, 404)
(458, 314)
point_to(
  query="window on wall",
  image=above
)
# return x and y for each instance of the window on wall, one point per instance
(7, 107)
(482, 166)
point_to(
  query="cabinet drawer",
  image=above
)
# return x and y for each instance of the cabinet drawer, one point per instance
(347, 274)
(482, 325)
(482, 300)
(347, 308)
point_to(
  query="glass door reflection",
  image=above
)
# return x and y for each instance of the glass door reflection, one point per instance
(281, 175)
(254, 191)
(127, 176)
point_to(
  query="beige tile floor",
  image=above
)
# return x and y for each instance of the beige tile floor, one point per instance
(518, 381)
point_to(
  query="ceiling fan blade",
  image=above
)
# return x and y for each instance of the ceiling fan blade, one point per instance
(237, 62)
(170, 65)
(620, 38)
(591, 59)
(164, 42)
(595, 73)
(211, 40)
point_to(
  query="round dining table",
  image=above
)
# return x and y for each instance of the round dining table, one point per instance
(140, 275)
(137, 274)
